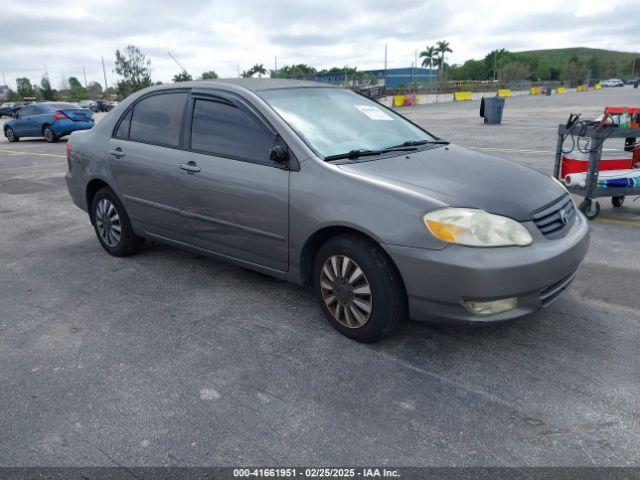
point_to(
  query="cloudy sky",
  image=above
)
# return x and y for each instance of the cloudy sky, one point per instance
(67, 35)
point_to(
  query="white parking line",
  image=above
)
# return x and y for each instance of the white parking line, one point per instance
(32, 166)
(18, 152)
(513, 150)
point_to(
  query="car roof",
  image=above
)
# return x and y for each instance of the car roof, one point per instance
(251, 84)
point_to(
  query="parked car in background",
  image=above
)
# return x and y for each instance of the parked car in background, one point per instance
(612, 82)
(104, 105)
(326, 188)
(8, 108)
(90, 104)
(632, 81)
(50, 120)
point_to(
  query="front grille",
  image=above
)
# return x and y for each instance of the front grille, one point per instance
(554, 219)
(549, 294)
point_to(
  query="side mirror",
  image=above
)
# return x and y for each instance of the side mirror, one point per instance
(14, 114)
(279, 155)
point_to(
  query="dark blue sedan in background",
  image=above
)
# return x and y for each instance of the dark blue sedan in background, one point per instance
(50, 120)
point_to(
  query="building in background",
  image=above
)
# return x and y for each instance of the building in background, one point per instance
(395, 77)
(4, 92)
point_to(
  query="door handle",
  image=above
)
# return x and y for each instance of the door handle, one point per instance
(190, 167)
(116, 152)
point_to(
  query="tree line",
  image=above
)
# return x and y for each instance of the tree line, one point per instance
(134, 71)
(509, 66)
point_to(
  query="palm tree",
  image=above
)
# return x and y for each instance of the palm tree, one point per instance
(259, 69)
(442, 47)
(429, 55)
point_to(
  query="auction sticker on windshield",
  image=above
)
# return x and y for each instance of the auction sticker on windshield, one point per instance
(373, 112)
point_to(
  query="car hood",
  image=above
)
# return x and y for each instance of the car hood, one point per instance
(461, 177)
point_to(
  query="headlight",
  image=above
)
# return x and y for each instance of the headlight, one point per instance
(476, 228)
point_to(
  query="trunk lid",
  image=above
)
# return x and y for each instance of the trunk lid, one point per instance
(78, 114)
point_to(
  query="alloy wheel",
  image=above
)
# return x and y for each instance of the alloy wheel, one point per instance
(108, 223)
(346, 291)
(10, 134)
(49, 135)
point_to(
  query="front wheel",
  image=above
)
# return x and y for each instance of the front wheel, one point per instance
(11, 135)
(49, 134)
(112, 225)
(360, 291)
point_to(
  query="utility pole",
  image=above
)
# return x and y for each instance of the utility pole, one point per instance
(415, 65)
(4, 81)
(275, 66)
(386, 72)
(84, 72)
(104, 72)
(495, 63)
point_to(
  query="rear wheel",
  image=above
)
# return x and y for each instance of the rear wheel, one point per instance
(360, 291)
(617, 201)
(11, 135)
(112, 225)
(49, 135)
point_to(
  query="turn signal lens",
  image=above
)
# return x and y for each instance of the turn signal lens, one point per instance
(476, 228)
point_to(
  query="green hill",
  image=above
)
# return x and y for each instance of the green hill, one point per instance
(560, 56)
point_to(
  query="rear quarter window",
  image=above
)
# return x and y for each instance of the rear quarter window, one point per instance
(158, 119)
(123, 127)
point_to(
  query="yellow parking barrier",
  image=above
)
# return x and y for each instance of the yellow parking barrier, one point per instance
(598, 86)
(460, 96)
(581, 88)
(561, 90)
(504, 92)
(535, 91)
(398, 100)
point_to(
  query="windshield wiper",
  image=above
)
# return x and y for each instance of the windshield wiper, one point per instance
(367, 153)
(353, 154)
(415, 143)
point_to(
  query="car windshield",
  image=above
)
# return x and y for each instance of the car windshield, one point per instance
(333, 121)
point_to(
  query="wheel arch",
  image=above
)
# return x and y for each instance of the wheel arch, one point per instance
(321, 236)
(92, 188)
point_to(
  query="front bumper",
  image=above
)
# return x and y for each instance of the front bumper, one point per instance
(439, 281)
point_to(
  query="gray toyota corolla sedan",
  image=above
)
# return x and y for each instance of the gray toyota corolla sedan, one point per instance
(323, 187)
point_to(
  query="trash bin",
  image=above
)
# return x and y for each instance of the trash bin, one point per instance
(491, 109)
(635, 83)
(548, 91)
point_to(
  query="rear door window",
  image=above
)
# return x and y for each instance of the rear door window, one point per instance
(224, 130)
(158, 119)
(26, 111)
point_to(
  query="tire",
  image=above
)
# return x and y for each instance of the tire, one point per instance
(590, 208)
(386, 300)
(49, 135)
(617, 201)
(11, 135)
(107, 215)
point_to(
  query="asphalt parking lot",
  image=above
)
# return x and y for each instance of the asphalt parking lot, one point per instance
(170, 358)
